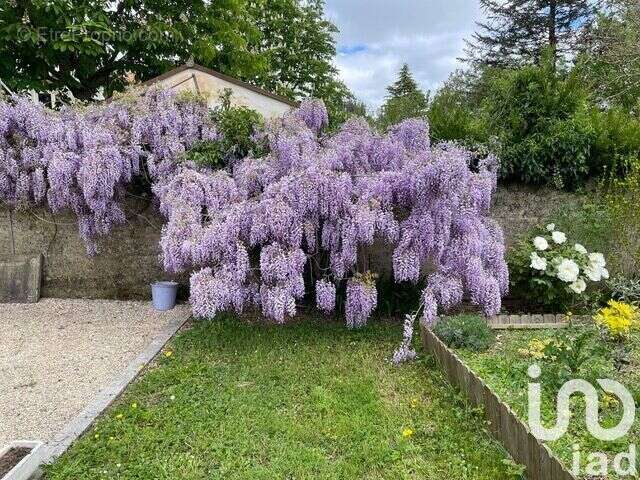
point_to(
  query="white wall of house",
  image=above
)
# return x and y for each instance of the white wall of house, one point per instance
(194, 80)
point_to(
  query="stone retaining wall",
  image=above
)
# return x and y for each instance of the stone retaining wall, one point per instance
(128, 258)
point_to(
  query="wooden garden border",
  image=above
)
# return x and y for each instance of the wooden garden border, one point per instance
(504, 425)
(507, 322)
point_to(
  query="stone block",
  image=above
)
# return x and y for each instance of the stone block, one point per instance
(20, 278)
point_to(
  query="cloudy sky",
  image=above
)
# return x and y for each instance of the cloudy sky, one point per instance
(378, 36)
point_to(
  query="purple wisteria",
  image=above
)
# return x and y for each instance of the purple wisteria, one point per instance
(81, 159)
(314, 203)
(266, 231)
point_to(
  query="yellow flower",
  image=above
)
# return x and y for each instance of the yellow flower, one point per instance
(617, 318)
(407, 433)
(609, 401)
(535, 349)
(96, 436)
(119, 416)
(134, 405)
(168, 353)
(414, 403)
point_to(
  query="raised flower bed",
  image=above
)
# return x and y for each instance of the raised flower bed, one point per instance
(20, 459)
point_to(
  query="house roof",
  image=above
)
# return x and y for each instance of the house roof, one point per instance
(221, 76)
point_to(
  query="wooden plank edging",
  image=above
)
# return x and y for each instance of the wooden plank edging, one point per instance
(507, 322)
(504, 425)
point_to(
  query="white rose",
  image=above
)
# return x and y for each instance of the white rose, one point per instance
(559, 237)
(568, 270)
(551, 227)
(537, 262)
(578, 286)
(594, 272)
(597, 259)
(604, 272)
(540, 243)
(580, 248)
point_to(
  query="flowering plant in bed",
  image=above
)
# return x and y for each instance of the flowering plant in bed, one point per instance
(554, 270)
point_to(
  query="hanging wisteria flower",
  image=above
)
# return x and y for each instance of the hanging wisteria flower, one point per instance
(362, 298)
(568, 270)
(541, 243)
(405, 352)
(325, 296)
(537, 262)
(559, 237)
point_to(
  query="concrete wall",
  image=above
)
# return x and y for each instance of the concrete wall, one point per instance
(128, 258)
(212, 87)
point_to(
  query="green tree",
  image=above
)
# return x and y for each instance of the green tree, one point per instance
(539, 114)
(88, 45)
(405, 100)
(299, 45)
(610, 61)
(518, 31)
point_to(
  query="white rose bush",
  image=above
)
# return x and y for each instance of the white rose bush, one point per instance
(555, 271)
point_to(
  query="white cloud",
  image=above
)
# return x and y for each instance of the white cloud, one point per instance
(378, 36)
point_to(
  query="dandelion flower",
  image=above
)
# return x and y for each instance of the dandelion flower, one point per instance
(407, 433)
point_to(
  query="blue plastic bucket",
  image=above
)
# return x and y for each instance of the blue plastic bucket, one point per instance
(164, 295)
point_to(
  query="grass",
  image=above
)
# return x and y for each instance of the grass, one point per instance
(504, 368)
(229, 400)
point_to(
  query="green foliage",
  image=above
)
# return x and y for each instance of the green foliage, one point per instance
(300, 47)
(625, 289)
(236, 128)
(452, 118)
(318, 400)
(609, 62)
(569, 352)
(465, 331)
(537, 114)
(285, 46)
(85, 45)
(616, 143)
(405, 101)
(504, 369)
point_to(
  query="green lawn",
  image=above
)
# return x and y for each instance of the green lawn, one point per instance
(504, 368)
(228, 400)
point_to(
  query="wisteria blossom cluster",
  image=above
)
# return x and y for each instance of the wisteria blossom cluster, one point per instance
(267, 231)
(82, 159)
(552, 257)
(254, 234)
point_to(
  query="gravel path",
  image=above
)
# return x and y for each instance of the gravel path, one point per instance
(56, 355)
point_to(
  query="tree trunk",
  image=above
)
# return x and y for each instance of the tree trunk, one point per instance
(553, 40)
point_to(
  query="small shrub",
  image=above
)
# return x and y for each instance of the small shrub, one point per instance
(625, 289)
(571, 351)
(617, 319)
(547, 267)
(237, 129)
(465, 331)
(616, 141)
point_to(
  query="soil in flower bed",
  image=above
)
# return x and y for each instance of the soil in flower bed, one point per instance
(12, 458)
